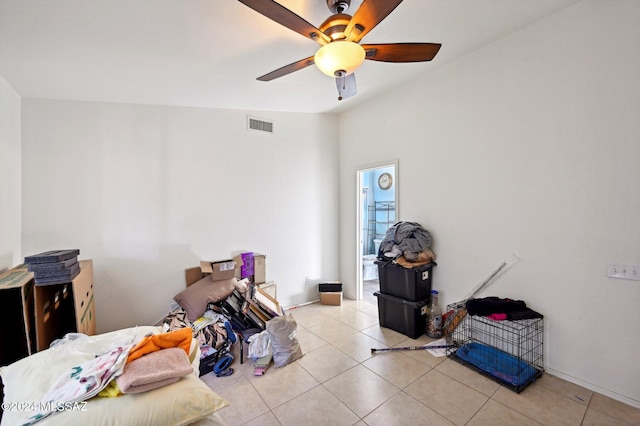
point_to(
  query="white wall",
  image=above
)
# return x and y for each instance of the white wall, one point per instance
(530, 145)
(10, 169)
(149, 191)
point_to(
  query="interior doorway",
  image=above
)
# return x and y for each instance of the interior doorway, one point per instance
(377, 211)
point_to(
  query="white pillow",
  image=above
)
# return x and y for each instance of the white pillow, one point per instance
(180, 403)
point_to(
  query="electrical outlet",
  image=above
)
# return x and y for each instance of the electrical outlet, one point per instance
(633, 272)
(623, 271)
(615, 270)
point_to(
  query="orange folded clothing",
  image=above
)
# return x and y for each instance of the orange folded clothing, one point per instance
(180, 338)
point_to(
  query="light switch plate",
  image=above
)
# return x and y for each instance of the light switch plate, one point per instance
(623, 271)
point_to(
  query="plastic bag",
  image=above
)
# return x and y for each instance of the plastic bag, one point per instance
(284, 343)
(259, 345)
(69, 337)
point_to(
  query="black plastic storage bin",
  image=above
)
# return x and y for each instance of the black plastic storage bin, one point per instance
(413, 284)
(403, 316)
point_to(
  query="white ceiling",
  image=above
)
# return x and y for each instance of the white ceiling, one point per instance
(208, 53)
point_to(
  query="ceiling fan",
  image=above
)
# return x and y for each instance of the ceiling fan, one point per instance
(341, 52)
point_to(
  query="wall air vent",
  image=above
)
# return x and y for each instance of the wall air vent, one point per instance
(259, 125)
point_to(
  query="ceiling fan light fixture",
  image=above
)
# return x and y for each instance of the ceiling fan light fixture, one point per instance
(339, 58)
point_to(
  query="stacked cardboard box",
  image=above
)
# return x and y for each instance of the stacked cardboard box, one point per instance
(54, 267)
(38, 314)
(249, 265)
(66, 307)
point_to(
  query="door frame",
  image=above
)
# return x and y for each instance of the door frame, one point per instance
(359, 216)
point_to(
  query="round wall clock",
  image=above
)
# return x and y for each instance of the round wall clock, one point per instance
(385, 181)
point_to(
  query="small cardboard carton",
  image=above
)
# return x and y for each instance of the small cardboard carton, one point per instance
(331, 298)
(259, 268)
(219, 269)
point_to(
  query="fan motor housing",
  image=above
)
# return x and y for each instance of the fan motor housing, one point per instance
(338, 6)
(335, 25)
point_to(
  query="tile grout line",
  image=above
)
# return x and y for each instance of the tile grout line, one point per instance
(332, 344)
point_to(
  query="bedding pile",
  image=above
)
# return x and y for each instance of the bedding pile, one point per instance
(154, 373)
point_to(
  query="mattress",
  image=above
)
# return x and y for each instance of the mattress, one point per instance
(184, 402)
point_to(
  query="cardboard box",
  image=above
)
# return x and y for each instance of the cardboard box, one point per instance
(83, 299)
(252, 266)
(219, 269)
(17, 337)
(65, 308)
(193, 275)
(246, 270)
(331, 298)
(259, 268)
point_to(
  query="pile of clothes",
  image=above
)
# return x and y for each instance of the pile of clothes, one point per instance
(499, 309)
(126, 367)
(407, 244)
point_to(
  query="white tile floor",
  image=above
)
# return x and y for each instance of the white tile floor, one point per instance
(339, 381)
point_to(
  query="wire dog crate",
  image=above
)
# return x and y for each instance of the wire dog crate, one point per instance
(508, 352)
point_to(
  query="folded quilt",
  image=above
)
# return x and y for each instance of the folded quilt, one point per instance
(154, 370)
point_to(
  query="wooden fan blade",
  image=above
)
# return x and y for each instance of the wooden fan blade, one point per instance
(401, 52)
(283, 16)
(369, 14)
(287, 69)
